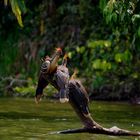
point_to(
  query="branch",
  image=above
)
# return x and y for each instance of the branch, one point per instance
(114, 131)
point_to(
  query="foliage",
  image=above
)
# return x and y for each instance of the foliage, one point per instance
(101, 38)
(123, 17)
(25, 91)
(29, 90)
(18, 7)
(8, 56)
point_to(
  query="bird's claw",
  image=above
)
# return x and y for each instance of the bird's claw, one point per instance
(38, 99)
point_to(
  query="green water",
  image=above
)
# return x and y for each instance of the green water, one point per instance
(22, 119)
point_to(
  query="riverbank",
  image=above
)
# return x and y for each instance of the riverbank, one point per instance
(25, 87)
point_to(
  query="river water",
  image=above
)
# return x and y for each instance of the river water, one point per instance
(22, 119)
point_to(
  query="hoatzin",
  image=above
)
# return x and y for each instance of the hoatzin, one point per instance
(70, 89)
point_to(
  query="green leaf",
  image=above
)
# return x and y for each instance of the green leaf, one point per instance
(16, 10)
(109, 66)
(114, 17)
(22, 6)
(127, 55)
(135, 75)
(118, 57)
(80, 49)
(101, 43)
(107, 43)
(135, 17)
(105, 65)
(102, 4)
(97, 64)
(111, 5)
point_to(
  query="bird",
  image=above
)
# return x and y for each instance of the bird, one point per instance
(47, 70)
(58, 76)
(62, 79)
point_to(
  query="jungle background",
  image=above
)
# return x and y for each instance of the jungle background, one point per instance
(101, 37)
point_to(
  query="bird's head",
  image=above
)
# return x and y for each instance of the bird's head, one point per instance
(45, 67)
(59, 51)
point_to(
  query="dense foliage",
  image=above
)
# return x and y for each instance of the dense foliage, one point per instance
(102, 38)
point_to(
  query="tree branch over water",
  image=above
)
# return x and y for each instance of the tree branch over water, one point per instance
(114, 131)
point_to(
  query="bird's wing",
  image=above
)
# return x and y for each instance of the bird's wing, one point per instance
(42, 83)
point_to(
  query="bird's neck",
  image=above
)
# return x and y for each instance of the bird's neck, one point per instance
(54, 63)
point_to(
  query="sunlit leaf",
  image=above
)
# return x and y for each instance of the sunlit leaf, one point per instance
(135, 75)
(109, 66)
(70, 54)
(107, 43)
(16, 10)
(118, 57)
(101, 43)
(111, 4)
(80, 49)
(105, 65)
(135, 17)
(97, 64)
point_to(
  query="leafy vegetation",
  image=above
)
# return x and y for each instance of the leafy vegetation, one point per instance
(18, 7)
(102, 38)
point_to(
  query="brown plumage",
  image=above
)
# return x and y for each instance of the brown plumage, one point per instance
(54, 60)
(58, 77)
(62, 79)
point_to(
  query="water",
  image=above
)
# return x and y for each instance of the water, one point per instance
(22, 119)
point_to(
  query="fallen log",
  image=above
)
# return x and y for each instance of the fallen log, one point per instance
(114, 131)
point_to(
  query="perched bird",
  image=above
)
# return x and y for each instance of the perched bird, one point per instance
(48, 68)
(70, 89)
